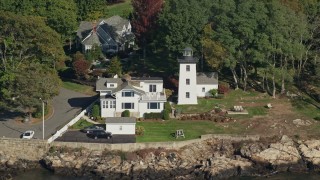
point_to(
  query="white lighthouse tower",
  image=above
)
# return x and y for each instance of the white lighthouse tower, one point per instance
(187, 93)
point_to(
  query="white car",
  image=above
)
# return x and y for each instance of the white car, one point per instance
(28, 135)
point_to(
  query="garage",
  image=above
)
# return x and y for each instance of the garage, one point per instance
(121, 125)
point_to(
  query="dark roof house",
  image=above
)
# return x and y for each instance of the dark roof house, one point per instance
(112, 34)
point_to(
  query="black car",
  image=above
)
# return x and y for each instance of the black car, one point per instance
(99, 134)
(92, 128)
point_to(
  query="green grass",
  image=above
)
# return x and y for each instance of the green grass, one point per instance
(159, 131)
(82, 123)
(233, 98)
(307, 107)
(78, 88)
(121, 9)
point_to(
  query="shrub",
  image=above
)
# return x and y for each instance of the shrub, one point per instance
(166, 114)
(167, 106)
(38, 113)
(152, 115)
(95, 111)
(223, 88)
(214, 92)
(125, 113)
(140, 130)
(317, 118)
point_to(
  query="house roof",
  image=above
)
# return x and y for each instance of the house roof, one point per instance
(116, 22)
(122, 85)
(101, 83)
(92, 39)
(207, 78)
(127, 86)
(145, 78)
(116, 120)
(106, 31)
(84, 29)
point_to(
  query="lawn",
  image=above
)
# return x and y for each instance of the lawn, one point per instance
(82, 123)
(159, 131)
(79, 88)
(121, 9)
(234, 97)
(307, 107)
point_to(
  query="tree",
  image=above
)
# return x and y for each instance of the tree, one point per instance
(145, 14)
(181, 23)
(90, 10)
(25, 39)
(60, 15)
(213, 51)
(115, 67)
(32, 82)
(81, 68)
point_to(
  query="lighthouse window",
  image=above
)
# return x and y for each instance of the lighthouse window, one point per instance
(187, 95)
(188, 68)
(188, 81)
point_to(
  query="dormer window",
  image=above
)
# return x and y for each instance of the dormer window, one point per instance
(111, 85)
(127, 94)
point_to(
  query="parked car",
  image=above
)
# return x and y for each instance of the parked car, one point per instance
(27, 135)
(92, 128)
(99, 134)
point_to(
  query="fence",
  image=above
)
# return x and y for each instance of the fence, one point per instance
(72, 122)
(129, 147)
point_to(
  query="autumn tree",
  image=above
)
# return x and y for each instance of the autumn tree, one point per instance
(81, 68)
(145, 14)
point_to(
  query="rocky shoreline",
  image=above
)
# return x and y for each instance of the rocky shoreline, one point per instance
(209, 159)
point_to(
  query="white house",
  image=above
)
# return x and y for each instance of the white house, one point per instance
(112, 34)
(192, 84)
(138, 95)
(121, 125)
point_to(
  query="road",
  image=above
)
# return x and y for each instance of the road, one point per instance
(66, 106)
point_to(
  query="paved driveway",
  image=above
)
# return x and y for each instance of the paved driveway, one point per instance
(77, 136)
(66, 106)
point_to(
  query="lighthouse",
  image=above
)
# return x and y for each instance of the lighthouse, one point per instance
(187, 92)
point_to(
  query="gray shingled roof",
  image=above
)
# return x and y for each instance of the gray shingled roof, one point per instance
(127, 86)
(84, 29)
(115, 120)
(207, 78)
(117, 22)
(101, 83)
(93, 38)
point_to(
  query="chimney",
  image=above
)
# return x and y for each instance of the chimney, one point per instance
(94, 24)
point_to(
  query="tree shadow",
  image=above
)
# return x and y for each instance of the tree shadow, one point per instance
(81, 102)
(6, 115)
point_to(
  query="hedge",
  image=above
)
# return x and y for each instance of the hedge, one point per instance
(153, 115)
(125, 113)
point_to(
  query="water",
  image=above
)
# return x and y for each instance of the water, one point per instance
(40, 174)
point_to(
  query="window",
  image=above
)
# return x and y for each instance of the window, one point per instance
(153, 105)
(111, 85)
(103, 104)
(152, 88)
(187, 95)
(188, 67)
(127, 94)
(188, 81)
(112, 104)
(203, 89)
(127, 105)
(120, 128)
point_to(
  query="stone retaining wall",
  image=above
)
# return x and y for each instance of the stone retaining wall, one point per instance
(32, 149)
(167, 145)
